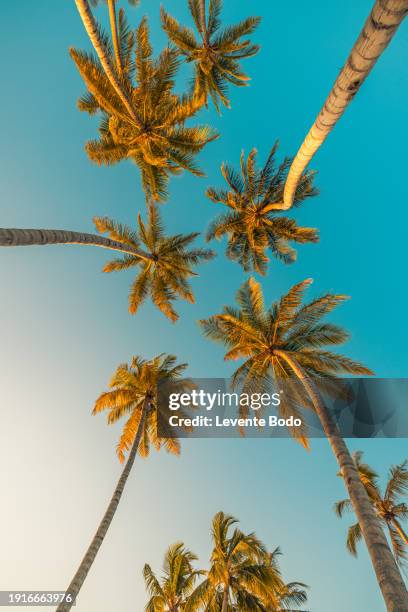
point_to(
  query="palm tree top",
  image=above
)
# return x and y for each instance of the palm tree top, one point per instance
(389, 505)
(216, 52)
(262, 336)
(165, 272)
(172, 590)
(251, 222)
(132, 387)
(155, 136)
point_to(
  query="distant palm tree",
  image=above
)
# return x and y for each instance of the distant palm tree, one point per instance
(147, 123)
(217, 53)
(251, 223)
(389, 507)
(286, 343)
(238, 575)
(135, 393)
(380, 27)
(170, 593)
(165, 266)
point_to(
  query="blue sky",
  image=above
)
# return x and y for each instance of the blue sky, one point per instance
(66, 326)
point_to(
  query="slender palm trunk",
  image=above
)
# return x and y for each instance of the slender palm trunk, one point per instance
(115, 38)
(10, 237)
(378, 31)
(399, 529)
(225, 600)
(90, 555)
(389, 578)
(203, 21)
(92, 31)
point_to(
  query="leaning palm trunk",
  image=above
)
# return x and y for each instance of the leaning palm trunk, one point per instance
(96, 543)
(115, 38)
(93, 33)
(10, 237)
(389, 578)
(378, 31)
(225, 600)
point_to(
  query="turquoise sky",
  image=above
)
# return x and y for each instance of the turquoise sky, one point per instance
(65, 325)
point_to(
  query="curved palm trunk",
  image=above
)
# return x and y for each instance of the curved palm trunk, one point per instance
(115, 38)
(92, 31)
(225, 600)
(378, 31)
(389, 578)
(400, 530)
(11, 237)
(90, 555)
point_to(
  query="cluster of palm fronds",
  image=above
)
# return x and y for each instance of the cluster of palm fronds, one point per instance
(243, 576)
(142, 118)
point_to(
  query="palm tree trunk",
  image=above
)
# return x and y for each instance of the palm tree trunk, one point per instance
(115, 38)
(378, 31)
(401, 532)
(10, 237)
(203, 21)
(225, 600)
(93, 33)
(89, 558)
(389, 578)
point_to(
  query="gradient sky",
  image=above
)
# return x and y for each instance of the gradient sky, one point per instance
(65, 325)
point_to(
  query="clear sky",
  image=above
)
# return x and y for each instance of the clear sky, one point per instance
(65, 326)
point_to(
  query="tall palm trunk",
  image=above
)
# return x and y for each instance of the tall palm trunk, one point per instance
(115, 38)
(10, 237)
(225, 600)
(378, 31)
(93, 33)
(203, 20)
(389, 578)
(89, 558)
(399, 529)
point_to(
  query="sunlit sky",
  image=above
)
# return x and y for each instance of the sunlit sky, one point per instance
(65, 325)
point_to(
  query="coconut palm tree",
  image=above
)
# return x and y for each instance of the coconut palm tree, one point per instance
(250, 222)
(216, 53)
(165, 265)
(170, 593)
(378, 30)
(286, 342)
(239, 575)
(135, 393)
(388, 506)
(150, 128)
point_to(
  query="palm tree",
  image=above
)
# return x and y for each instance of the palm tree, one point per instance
(239, 575)
(170, 593)
(150, 128)
(135, 394)
(378, 30)
(164, 267)
(216, 54)
(251, 224)
(389, 507)
(287, 343)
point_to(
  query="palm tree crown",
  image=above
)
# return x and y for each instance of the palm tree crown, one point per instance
(134, 386)
(251, 223)
(155, 137)
(242, 576)
(165, 271)
(264, 336)
(217, 53)
(389, 506)
(170, 593)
